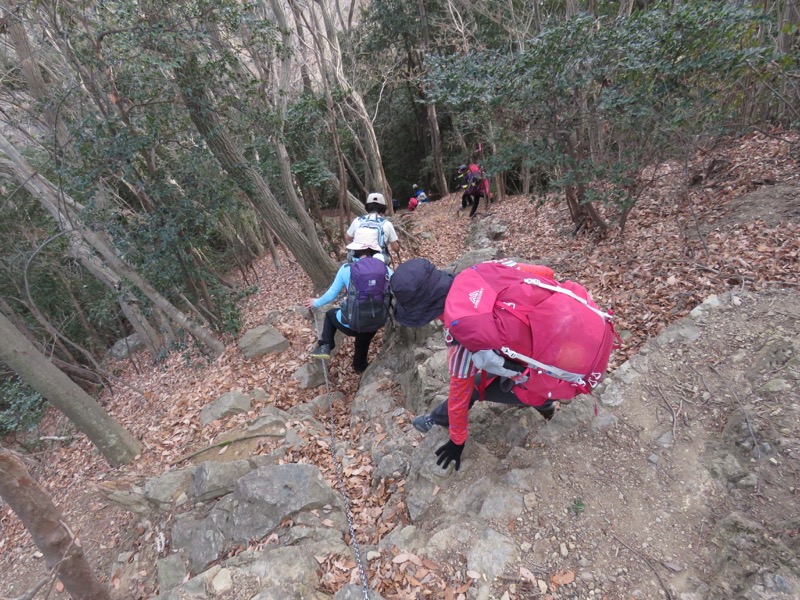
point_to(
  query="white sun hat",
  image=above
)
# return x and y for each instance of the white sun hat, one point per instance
(364, 238)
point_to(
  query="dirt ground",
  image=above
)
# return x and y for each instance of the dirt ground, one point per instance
(692, 494)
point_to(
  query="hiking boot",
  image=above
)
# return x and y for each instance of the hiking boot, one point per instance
(547, 411)
(360, 368)
(423, 423)
(323, 351)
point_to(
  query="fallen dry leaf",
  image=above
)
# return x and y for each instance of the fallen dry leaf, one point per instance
(564, 578)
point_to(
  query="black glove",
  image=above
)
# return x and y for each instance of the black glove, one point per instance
(449, 452)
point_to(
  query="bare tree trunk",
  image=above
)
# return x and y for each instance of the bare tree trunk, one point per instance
(62, 552)
(355, 103)
(117, 445)
(74, 370)
(32, 71)
(625, 8)
(433, 121)
(308, 251)
(789, 17)
(362, 189)
(281, 98)
(51, 200)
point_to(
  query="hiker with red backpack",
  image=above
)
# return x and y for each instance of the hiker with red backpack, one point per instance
(375, 219)
(475, 185)
(365, 278)
(515, 336)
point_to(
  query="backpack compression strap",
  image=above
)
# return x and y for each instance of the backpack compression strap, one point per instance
(567, 376)
(571, 294)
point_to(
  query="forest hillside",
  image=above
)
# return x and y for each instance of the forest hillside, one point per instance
(732, 234)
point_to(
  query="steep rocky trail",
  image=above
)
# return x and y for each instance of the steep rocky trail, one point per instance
(684, 485)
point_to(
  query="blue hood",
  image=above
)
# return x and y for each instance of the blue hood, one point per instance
(419, 290)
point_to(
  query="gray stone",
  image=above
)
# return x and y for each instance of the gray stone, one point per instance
(391, 466)
(261, 340)
(222, 582)
(258, 395)
(215, 479)
(473, 257)
(271, 421)
(356, 592)
(289, 592)
(203, 539)
(665, 440)
(450, 538)
(266, 496)
(404, 538)
(131, 499)
(171, 571)
(123, 348)
(502, 503)
(471, 499)
(748, 481)
(290, 567)
(775, 386)
(613, 394)
(310, 375)
(230, 403)
(522, 479)
(164, 490)
(491, 554)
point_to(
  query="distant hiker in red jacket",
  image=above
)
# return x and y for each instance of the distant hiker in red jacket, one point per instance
(475, 185)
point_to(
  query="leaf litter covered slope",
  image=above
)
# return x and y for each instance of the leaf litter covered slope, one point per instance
(672, 256)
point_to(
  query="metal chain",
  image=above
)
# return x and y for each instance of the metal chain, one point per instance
(338, 466)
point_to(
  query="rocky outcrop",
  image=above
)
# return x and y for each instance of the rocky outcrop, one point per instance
(552, 507)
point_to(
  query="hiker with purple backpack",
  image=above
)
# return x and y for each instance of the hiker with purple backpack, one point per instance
(365, 279)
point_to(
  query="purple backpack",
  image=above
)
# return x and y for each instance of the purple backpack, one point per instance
(366, 308)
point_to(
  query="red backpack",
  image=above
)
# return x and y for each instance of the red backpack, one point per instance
(554, 329)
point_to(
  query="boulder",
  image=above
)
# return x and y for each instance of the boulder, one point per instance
(214, 479)
(123, 348)
(268, 495)
(164, 490)
(230, 403)
(310, 375)
(261, 340)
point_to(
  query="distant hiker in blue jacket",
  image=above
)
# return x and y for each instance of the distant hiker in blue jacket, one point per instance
(348, 317)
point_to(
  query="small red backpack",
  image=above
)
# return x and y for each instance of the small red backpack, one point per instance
(555, 329)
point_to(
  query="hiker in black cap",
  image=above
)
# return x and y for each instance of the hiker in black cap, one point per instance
(420, 291)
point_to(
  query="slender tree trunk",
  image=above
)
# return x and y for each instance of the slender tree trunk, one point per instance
(281, 98)
(74, 370)
(62, 552)
(31, 70)
(430, 109)
(117, 445)
(333, 69)
(362, 189)
(51, 200)
(308, 252)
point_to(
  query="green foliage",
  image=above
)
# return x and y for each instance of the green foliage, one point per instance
(20, 406)
(628, 92)
(577, 507)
